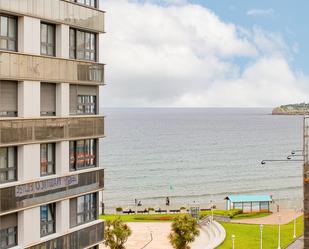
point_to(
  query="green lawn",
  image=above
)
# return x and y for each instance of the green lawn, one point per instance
(248, 236)
(168, 217)
(250, 215)
(140, 217)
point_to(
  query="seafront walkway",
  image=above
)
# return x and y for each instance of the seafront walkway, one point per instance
(154, 235)
(212, 234)
(286, 217)
(298, 244)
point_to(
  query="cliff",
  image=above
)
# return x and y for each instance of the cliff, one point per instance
(292, 109)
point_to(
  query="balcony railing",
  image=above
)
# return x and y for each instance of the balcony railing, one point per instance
(77, 240)
(26, 131)
(57, 11)
(35, 193)
(16, 66)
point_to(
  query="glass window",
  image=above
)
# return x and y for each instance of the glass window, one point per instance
(8, 33)
(82, 154)
(91, 3)
(47, 159)
(8, 237)
(8, 164)
(82, 45)
(86, 104)
(86, 208)
(48, 41)
(48, 219)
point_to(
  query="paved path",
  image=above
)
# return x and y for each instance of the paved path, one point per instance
(298, 244)
(141, 235)
(286, 217)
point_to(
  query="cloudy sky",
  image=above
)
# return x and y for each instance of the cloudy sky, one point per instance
(205, 53)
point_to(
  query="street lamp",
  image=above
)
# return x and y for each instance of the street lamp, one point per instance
(233, 241)
(212, 211)
(294, 232)
(279, 228)
(261, 230)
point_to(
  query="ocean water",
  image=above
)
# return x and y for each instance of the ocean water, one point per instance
(198, 155)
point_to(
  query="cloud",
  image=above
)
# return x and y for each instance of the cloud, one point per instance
(261, 12)
(184, 55)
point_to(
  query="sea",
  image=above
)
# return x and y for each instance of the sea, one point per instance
(199, 156)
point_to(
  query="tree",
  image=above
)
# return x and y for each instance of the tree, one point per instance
(184, 231)
(116, 234)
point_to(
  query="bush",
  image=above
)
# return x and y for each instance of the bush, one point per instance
(151, 209)
(233, 212)
(183, 208)
(119, 209)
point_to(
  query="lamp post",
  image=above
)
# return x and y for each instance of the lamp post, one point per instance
(261, 230)
(212, 211)
(279, 231)
(233, 241)
(294, 231)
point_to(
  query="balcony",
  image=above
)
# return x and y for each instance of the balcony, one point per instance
(35, 193)
(41, 130)
(77, 240)
(21, 67)
(57, 11)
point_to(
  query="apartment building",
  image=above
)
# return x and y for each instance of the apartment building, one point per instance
(51, 181)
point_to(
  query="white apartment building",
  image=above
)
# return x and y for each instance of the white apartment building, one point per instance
(51, 181)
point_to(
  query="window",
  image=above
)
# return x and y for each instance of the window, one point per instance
(48, 99)
(83, 100)
(8, 98)
(48, 222)
(8, 164)
(82, 45)
(48, 41)
(82, 154)
(86, 104)
(91, 3)
(8, 33)
(86, 208)
(47, 159)
(8, 231)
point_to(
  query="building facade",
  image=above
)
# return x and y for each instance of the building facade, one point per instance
(51, 181)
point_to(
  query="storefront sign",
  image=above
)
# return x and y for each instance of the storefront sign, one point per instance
(46, 185)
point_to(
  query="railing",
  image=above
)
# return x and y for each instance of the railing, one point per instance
(77, 240)
(57, 11)
(20, 67)
(35, 193)
(39, 130)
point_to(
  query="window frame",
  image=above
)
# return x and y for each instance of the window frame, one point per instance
(8, 169)
(89, 208)
(5, 234)
(47, 44)
(83, 107)
(46, 223)
(88, 5)
(52, 163)
(8, 38)
(74, 166)
(73, 48)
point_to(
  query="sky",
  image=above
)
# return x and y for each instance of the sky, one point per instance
(205, 53)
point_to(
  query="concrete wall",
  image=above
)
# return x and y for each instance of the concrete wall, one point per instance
(29, 30)
(29, 99)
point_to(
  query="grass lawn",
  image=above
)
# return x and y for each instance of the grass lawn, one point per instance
(248, 236)
(140, 217)
(169, 217)
(250, 215)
